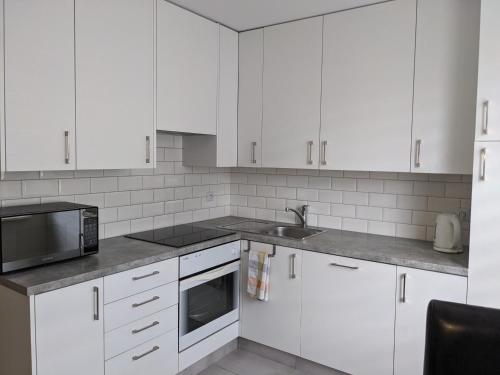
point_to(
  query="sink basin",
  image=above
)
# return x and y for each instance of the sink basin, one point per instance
(296, 233)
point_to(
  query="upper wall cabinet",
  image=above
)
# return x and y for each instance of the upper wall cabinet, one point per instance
(292, 91)
(187, 66)
(368, 87)
(39, 85)
(220, 150)
(445, 85)
(488, 91)
(115, 83)
(251, 60)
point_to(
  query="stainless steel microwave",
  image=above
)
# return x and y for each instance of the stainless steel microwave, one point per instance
(45, 233)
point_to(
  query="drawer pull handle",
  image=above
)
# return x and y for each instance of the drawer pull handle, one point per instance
(145, 276)
(403, 288)
(155, 298)
(136, 331)
(137, 357)
(343, 266)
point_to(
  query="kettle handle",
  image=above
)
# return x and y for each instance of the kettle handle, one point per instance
(456, 231)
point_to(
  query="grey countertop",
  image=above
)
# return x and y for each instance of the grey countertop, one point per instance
(120, 254)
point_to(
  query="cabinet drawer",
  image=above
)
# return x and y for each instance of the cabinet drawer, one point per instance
(156, 357)
(130, 309)
(137, 280)
(127, 337)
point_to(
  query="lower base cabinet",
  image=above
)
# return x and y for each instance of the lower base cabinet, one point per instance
(348, 314)
(152, 358)
(275, 323)
(416, 288)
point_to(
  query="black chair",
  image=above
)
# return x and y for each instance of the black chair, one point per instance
(462, 340)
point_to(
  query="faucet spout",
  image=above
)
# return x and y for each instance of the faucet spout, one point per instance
(301, 215)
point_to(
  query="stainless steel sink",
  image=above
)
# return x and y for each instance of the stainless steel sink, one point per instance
(296, 233)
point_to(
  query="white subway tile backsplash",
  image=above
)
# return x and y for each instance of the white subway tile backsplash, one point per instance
(354, 225)
(382, 200)
(297, 181)
(40, 188)
(276, 180)
(103, 184)
(329, 222)
(393, 215)
(430, 189)
(370, 186)
(74, 186)
(412, 202)
(130, 183)
(163, 221)
(192, 204)
(265, 214)
(153, 209)
(247, 189)
(174, 206)
(357, 198)
(320, 182)
(129, 212)
(118, 228)
(202, 214)
(140, 225)
(141, 196)
(382, 228)
(276, 204)
(443, 204)
(416, 232)
(308, 194)
(91, 199)
(287, 193)
(10, 189)
(344, 184)
(183, 192)
(266, 191)
(173, 180)
(343, 210)
(117, 199)
(398, 187)
(257, 202)
(152, 182)
(458, 190)
(369, 213)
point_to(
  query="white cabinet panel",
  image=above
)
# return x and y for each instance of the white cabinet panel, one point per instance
(292, 91)
(348, 314)
(115, 83)
(69, 333)
(366, 109)
(416, 288)
(39, 85)
(488, 89)
(187, 63)
(280, 328)
(251, 60)
(484, 258)
(445, 86)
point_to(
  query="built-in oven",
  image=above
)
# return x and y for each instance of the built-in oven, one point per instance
(208, 292)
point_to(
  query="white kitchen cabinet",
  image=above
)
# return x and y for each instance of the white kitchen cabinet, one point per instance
(251, 68)
(348, 313)
(275, 323)
(69, 330)
(488, 88)
(416, 288)
(187, 67)
(115, 83)
(484, 257)
(445, 86)
(39, 85)
(366, 110)
(291, 94)
(220, 150)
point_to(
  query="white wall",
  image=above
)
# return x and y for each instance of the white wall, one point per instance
(392, 204)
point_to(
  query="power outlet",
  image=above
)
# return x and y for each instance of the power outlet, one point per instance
(210, 196)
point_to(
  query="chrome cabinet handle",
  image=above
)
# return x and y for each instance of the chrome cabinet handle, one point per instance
(145, 276)
(155, 298)
(309, 152)
(148, 149)
(137, 357)
(418, 147)
(403, 288)
(96, 303)
(323, 156)
(254, 160)
(292, 266)
(136, 331)
(66, 147)
(486, 117)
(344, 266)
(482, 167)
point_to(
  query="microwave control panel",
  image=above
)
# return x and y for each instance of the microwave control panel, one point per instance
(90, 231)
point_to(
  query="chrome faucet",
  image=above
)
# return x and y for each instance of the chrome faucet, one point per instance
(302, 215)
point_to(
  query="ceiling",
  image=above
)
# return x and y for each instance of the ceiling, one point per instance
(249, 14)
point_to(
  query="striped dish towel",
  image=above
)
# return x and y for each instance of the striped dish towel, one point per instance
(258, 275)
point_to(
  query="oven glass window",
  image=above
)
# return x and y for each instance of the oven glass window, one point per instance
(209, 301)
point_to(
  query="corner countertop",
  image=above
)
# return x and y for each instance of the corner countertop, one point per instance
(120, 254)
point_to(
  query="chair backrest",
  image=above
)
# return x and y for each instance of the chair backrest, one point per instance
(462, 340)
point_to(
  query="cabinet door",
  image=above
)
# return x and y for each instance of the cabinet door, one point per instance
(445, 86)
(292, 90)
(366, 109)
(416, 288)
(187, 63)
(251, 60)
(484, 257)
(275, 323)
(39, 85)
(348, 314)
(115, 83)
(488, 88)
(70, 331)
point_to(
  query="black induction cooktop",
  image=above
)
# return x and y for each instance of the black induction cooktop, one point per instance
(179, 235)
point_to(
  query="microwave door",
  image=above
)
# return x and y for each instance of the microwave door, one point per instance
(30, 240)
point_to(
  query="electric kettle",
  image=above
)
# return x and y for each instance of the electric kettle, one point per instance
(448, 238)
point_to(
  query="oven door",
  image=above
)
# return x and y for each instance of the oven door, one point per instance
(208, 302)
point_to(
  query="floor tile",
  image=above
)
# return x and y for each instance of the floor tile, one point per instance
(246, 363)
(215, 370)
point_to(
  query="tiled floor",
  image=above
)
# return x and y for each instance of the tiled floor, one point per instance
(241, 362)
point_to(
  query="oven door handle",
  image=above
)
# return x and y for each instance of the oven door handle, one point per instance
(208, 276)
